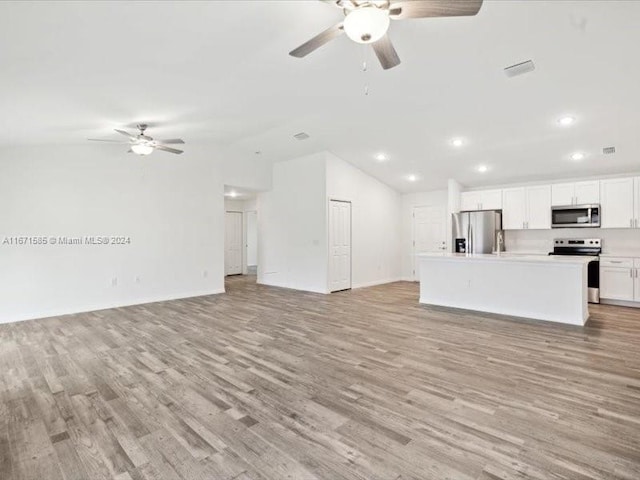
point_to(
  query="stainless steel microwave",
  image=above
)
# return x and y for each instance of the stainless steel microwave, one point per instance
(575, 216)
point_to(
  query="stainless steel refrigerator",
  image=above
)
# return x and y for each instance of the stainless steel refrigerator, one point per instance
(477, 232)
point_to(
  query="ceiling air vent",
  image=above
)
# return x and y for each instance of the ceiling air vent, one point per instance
(608, 150)
(301, 136)
(519, 69)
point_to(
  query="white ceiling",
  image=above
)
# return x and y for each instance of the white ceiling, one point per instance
(220, 72)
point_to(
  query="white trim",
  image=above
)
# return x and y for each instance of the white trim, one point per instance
(376, 282)
(620, 303)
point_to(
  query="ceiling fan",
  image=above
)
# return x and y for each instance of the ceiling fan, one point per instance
(142, 144)
(367, 22)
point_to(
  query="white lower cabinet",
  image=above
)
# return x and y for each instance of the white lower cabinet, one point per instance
(619, 278)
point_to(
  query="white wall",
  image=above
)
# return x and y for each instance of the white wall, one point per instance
(170, 207)
(292, 226)
(436, 198)
(376, 225)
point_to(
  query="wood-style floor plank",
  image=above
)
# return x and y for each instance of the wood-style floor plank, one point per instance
(264, 383)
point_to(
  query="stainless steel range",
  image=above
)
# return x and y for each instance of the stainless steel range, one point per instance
(583, 247)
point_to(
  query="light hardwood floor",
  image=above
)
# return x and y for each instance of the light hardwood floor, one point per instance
(268, 383)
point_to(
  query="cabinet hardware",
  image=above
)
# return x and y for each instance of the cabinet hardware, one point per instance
(631, 272)
(615, 261)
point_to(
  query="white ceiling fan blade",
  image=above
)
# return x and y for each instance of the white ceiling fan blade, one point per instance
(433, 8)
(171, 141)
(386, 53)
(108, 141)
(168, 149)
(318, 41)
(126, 134)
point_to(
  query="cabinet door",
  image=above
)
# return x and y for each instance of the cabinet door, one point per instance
(491, 200)
(513, 208)
(616, 200)
(616, 283)
(587, 192)
(636, 280)
(562, 194)
(636, 202)
(470, 201)
(539, 207)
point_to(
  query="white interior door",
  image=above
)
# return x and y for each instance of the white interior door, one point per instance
(252, 239)
(339, 245)
(233, 243)
(429, 232)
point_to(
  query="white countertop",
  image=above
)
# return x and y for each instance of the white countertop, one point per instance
(510, 257)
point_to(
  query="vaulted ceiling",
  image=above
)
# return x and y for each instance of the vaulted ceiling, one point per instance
(220, 72)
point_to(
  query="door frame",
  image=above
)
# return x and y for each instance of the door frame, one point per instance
(335, 199)
(413, 235)
(242, 246)
(245, 239)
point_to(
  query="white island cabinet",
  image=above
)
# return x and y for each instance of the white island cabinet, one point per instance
(552, 288)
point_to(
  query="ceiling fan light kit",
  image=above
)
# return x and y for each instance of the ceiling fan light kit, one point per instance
(141, 149)
(367, 22)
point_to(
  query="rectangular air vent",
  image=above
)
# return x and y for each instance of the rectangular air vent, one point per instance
(301, 136)
(608, 150)
(519, 68)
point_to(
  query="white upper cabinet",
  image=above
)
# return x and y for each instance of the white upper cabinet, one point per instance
(636, 202)
(481, 200)
(514, 209)
(562, 194)
(539, 207)
(526, 208)
(470, 201)
(491, 200)
(617, 198)
(587, 192)
(578, 193)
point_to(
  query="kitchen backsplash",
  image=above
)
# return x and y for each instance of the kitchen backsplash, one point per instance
(614, 241)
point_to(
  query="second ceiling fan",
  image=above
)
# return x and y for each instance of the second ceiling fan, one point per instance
(367, 22)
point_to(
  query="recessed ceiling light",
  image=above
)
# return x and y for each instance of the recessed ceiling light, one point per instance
(412, 178)
(482, 168)
(457, 142)
(566, 120)
(577, 156)
(381, 157)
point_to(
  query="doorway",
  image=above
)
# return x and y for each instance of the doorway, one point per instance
(429, 227)
(252, 242)
(339, 245)
(233, 243)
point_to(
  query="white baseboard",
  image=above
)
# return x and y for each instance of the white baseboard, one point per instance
(620, 303)
(375, 283)
(105, 306)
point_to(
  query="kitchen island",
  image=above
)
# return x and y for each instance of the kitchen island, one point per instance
(539, 287)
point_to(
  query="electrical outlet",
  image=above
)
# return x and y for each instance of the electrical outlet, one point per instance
(137, 279)
(114, 282)
(205, 273)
